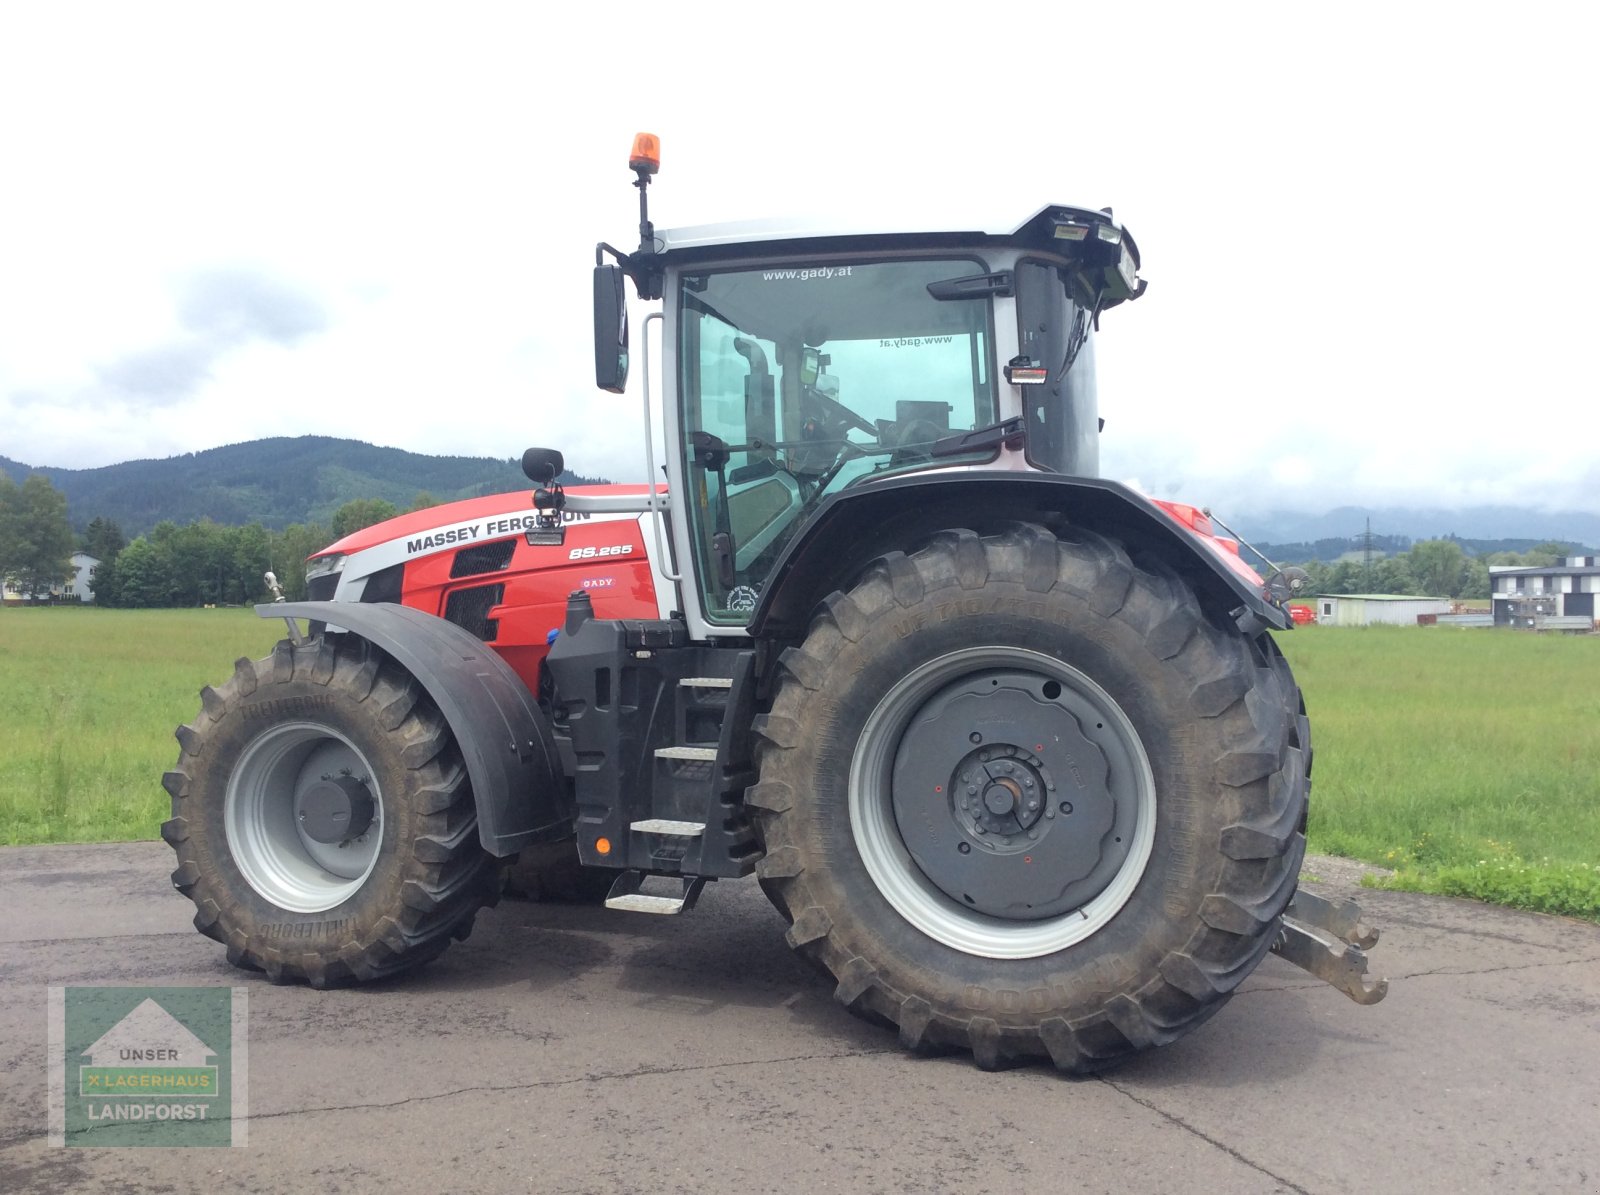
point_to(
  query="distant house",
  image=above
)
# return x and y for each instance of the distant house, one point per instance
(1371, 609)
(1569, 588)
(79, 589)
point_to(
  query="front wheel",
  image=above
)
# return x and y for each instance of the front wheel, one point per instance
(323, 821)
(1021, 796)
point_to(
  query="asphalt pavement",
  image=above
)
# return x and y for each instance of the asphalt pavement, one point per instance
(571, 1049)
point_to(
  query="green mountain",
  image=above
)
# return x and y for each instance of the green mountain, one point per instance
(274, 482)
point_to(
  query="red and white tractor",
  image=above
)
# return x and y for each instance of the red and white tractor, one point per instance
(1010, 746)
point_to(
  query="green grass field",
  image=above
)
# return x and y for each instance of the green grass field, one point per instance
(1467, 760)
(91, 698)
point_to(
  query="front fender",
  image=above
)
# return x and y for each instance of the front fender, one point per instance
(503, 736)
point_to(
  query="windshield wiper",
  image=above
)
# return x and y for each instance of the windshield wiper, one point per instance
(1008, 432)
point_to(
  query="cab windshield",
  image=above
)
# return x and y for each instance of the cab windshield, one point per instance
(799, 381)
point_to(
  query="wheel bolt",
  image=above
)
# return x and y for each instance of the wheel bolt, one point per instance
(972, 790)
(1066, 807)
(1033, 833)
(983, 755)
(1027, 784)
(975, 737)
(982, 829)
(964, 847)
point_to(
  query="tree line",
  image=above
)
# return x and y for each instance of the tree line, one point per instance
(206, 563)
(1432, 568)
(196, 564)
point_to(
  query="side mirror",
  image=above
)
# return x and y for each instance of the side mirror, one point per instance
(542, 465)
(610, 329)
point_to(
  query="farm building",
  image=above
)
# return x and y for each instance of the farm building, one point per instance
(1570, 588)
(1369, 609)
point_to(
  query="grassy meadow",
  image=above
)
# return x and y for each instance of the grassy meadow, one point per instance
(1466, 760)
(90, 699)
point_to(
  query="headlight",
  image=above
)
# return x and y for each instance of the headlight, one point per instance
(322, 577)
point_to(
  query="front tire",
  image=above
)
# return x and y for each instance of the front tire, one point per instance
(909, 734)
(322, 818)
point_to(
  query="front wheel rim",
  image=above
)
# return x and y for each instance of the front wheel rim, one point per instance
(910, 888)
(271, 848)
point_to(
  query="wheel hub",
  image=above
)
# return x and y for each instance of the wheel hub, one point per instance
(334, 809)
(998, 792)
(1004, 798)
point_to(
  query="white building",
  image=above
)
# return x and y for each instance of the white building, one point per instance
(1370, 609)
(1571, 587)
(79, 589)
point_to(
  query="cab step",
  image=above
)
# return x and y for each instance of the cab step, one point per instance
(628, 894)
(705, 682)
(661, 825)
(704, 754)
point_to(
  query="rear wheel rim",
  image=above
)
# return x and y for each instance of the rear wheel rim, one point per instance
(923, 896)
(270, 846)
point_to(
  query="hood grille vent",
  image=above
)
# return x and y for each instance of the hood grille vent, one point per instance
(469, 610)
(483, 558)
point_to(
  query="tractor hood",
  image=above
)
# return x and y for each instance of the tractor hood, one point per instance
(463, 522)
(367, 565)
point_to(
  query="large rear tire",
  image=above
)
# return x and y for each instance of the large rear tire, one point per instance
(1023, 797)
(322, 818)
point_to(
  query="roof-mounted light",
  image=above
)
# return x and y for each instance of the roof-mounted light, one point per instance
(646, 155)
(1129, 271)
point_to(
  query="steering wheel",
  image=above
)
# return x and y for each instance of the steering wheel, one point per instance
(912, 439)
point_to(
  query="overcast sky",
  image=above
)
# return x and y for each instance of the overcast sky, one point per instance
(1370, 230)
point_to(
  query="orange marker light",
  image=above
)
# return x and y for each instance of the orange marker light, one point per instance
(602, 846)
(646, 155)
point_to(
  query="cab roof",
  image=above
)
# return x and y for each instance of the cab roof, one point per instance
(910, 228)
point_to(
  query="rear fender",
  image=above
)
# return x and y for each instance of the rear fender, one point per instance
(504, 737)
(857, 525)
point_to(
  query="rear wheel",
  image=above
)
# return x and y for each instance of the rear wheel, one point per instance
(1022, 797)
(322, 818)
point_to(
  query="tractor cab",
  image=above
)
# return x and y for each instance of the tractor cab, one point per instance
(801, 361)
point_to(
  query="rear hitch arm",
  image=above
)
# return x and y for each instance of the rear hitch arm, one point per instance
(1329, 939)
